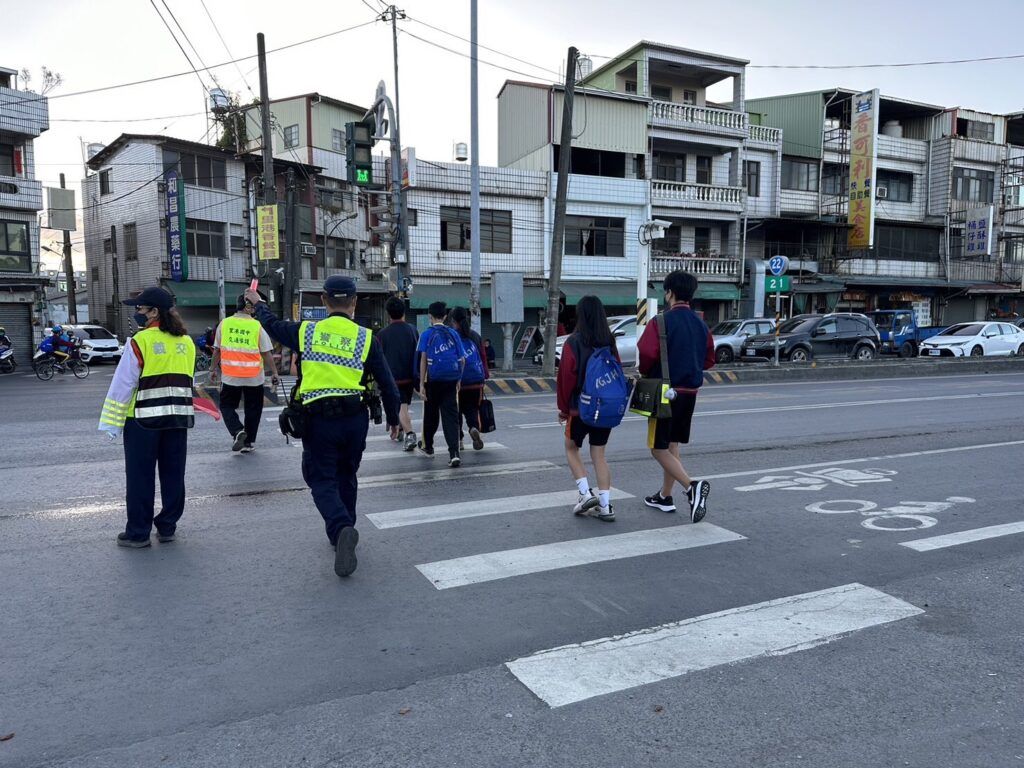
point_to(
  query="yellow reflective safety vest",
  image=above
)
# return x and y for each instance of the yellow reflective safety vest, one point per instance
(334, 352)
(163, 399)
(240, 347)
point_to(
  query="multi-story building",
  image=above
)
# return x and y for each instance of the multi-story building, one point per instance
(24, 115)
(933, 166)
(56, 309)
(649, 144)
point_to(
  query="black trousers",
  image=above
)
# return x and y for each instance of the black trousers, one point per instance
(146, 452)
(331, 452)
(442, 407)
(469, 406)
(230, 396)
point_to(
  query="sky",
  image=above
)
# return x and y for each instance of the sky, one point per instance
(96, 43)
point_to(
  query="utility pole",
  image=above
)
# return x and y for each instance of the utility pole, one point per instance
(291, 245)
(474, 173)
(269, 188)
(69, 272)
(393, 14)
(558, 235)
(116, 281)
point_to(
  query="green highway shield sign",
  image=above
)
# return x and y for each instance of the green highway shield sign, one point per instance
(773, 284)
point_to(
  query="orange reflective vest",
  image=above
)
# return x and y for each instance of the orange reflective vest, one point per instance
(240, 348)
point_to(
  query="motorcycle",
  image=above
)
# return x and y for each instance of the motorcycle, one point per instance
(7, 362)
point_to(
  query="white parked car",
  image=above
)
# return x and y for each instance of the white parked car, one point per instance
(729, 336)
(975, 340)
(623, 327)
(97, 343)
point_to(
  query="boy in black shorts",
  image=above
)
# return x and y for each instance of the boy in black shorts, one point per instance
(399, 340)
(690, 351)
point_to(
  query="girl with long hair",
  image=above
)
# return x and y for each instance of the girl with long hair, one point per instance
(475, 372)
(592, 332)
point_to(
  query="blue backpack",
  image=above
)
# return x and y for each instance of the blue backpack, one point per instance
(443, 355)
(474, 370)
(604, 391)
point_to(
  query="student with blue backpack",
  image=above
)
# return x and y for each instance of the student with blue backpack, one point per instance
(476, 371)
(441, 363)
(593, 394)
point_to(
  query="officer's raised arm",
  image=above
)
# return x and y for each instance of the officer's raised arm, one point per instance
(284, 332)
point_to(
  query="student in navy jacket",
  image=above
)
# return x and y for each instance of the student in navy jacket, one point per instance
(691, 351)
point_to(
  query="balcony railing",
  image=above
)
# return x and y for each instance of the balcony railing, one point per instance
(723, 267)
(693, 116)
(698, 195)
(765, 135)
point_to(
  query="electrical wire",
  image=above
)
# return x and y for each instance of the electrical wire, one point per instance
(226, 49)
(180, 46)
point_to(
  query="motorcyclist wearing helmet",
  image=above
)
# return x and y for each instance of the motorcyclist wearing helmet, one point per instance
(204, 342)
(62, 344)
(5, 340)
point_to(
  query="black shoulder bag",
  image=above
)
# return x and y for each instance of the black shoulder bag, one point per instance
(650, 396)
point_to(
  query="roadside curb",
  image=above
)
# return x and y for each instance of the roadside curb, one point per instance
(519, 386)
(759, 374)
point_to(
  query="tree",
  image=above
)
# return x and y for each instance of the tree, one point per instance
(50, 79)
(233, 134)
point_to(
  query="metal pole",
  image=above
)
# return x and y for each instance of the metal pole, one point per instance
(291, 243)
(269, 187)
(474, 173)
(220, 287)
(116, 280)
(558, 235)
(402, 206)
(778, 322)
(508, 353)
(69, 273)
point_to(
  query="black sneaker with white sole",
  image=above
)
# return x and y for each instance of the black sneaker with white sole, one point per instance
(240, 440)
(698, 497)
(478, 442)
(454, 462)
(664, 503)
(424, 451)
(345, 551)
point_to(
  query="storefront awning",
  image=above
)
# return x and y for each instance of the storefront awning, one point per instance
(821, 286)
(203, 293)
(621, 294)
(994, 289)
(717, 292)
(534, 297)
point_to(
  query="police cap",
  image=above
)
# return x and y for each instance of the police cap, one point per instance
(339, 287)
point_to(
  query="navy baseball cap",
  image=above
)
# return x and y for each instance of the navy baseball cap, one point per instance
(339, 287)
(156, 296)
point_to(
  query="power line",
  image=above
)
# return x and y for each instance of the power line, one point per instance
(121, 119)
(146, 81)
(226, 49)
(178, 43)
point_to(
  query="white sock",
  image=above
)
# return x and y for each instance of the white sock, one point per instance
(583, 485)
(604, 497)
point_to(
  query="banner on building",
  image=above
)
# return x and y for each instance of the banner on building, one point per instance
(177, 247)
(977, 240)
(267, 243)
(863, 142)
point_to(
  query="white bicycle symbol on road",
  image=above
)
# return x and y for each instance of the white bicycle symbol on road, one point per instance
(907, 515)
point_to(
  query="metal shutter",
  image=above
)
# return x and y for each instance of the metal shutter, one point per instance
(17, 319)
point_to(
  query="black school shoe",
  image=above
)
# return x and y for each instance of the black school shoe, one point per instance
(664, 503)
(124, 541)
(698, 496)
(345, 551)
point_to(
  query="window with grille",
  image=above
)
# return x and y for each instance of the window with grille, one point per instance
(291, 136)
(15, 254)
(973, 185)
(105, 182)
(703, 169)
(205, 238)
(131, 242)
(198, 170)
(337, 140)
(800, 175)
(752, 174)
(495, 230)
(594, 236)
(899, 187)
(669, 166)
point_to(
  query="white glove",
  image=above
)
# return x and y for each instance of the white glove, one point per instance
(112, 432)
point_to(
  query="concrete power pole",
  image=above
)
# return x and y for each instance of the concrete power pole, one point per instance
(558, 235)
(269, 187)
(474, 173)
(69, 273)
(402, 207)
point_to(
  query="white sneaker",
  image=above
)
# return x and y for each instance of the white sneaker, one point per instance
(602, 513)
(584, 503)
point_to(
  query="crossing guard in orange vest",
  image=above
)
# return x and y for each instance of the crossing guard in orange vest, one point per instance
(242, 350)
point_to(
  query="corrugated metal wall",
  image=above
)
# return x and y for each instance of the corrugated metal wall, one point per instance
(522, 122)
(611, 124)
(327, 117)
(800, 118)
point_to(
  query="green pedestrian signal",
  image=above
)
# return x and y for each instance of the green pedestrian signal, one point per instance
(358, 143)
(364, 176)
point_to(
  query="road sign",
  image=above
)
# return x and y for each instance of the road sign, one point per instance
(778, 265)
(774, 284)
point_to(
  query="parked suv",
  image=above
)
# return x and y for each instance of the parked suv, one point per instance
(807, 337)
(730, 335)
(97, 343)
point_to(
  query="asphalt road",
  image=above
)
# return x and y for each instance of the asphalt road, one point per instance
(487, 626)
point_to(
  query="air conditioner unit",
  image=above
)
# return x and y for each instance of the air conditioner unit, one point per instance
(881, 192)
(308, 249)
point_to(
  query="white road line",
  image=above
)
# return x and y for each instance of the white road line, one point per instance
(418, 515)
(396, 453)
(581, 671)
(814, 406)
(431, 475)
(490, 566)
(963, 537)
(864, 460)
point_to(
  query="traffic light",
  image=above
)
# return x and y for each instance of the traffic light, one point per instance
(358, 143)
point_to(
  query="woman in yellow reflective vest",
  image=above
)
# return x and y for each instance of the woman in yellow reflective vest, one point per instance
(150, 401)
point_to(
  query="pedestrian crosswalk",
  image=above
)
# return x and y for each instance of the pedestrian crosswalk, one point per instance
(494, 564)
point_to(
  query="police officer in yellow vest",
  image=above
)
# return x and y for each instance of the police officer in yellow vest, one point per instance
(336, 358)
(241, 351)
(150, 400)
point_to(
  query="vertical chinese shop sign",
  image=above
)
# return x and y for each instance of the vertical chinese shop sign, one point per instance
(863, 133)
(177, 249)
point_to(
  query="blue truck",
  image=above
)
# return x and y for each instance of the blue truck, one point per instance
(900, 334)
